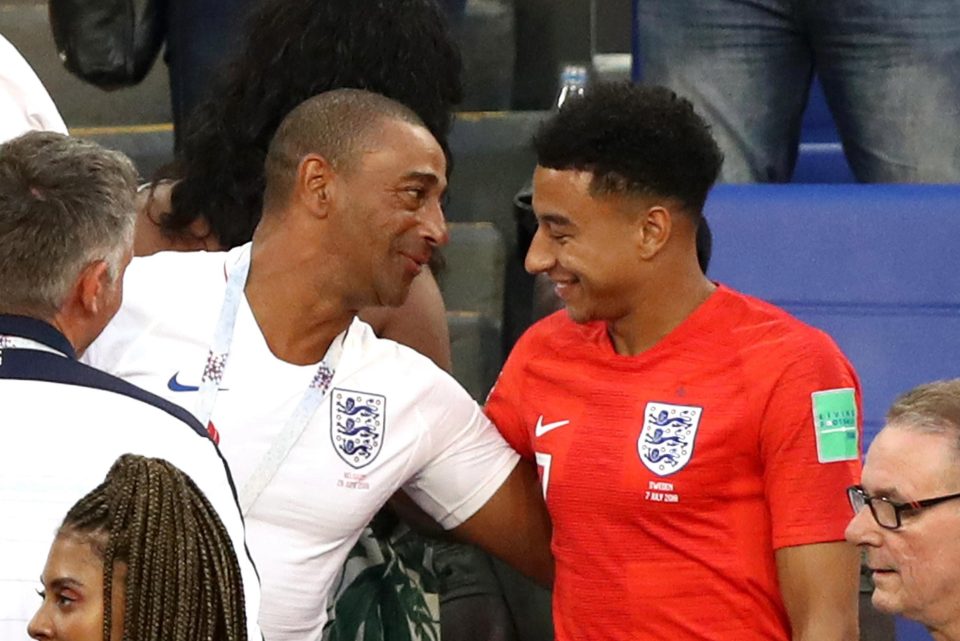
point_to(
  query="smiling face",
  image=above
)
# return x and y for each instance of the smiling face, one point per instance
(394, 219)
(916, 568)
(72, 607)
(585, 244)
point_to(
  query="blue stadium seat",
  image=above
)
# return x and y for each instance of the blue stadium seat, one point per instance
(818, 125)
(820, 158)
(822, 163)
(911, 631)
(875, 266)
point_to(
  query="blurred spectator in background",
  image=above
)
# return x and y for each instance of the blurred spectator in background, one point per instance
(890, 71)
(911, 487)
(66, 233)
(24, 104)
(694, 443)
(143, 556)
(202, 34)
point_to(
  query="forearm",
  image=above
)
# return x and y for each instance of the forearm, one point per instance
(514, 526)
(827, 628)
(819, 584)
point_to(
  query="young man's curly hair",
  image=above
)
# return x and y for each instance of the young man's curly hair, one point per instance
(634, 139)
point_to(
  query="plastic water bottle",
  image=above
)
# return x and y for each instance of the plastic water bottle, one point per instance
(573, 82)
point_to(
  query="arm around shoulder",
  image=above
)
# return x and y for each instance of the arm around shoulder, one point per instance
(514, 525)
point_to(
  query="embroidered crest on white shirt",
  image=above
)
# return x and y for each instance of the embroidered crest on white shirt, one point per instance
(357, 425)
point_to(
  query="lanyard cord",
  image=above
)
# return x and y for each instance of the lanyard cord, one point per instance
(213, 375)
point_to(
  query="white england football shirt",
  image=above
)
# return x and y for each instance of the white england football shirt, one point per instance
(392, 420)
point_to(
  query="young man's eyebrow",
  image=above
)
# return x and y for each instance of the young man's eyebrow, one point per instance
(553, 219)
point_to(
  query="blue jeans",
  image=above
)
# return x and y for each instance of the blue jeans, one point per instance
(890, 71)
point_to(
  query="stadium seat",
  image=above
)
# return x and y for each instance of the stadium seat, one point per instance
(818, 125)
(473, 277)
(492, 160)
(822, 162)
(472, 287)
(820, 158)
(873, 265)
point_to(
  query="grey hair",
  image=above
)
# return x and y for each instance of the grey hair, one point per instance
(64, 204)
(931, 407)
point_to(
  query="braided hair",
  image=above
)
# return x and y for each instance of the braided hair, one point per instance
(182, 581)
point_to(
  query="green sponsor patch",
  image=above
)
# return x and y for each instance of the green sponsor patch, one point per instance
(835, 421)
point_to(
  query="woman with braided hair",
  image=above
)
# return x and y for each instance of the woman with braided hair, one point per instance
(142, 557)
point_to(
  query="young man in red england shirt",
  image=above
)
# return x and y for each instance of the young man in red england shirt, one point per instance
(694, 443)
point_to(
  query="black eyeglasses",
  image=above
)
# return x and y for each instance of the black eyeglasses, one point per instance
(886, 512)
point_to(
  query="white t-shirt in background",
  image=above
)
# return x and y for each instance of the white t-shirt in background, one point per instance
(24, 103)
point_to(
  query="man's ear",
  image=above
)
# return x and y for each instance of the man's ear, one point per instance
(315, 184)
(654, 227)
(91, 286)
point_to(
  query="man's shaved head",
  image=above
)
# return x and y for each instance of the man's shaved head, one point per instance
(334, 125)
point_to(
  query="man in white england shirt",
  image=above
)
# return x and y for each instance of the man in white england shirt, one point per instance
(320, 420)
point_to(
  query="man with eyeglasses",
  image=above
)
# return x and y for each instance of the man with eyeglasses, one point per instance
(911, 531)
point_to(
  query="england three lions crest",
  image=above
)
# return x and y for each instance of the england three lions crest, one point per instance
(666, 441)
(357, 425)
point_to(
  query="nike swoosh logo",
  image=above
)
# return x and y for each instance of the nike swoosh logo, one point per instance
(542, 428)
(175, 386)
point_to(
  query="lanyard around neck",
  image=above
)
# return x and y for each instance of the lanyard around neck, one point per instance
(213, 375)
(8, 341)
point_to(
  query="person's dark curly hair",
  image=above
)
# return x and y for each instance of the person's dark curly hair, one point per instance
(634, 139)
(295, 49)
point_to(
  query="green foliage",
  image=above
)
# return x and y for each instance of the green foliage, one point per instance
(386, 600)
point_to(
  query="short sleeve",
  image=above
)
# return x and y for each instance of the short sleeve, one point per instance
(810, 440)
(467, 460)
(503, 403)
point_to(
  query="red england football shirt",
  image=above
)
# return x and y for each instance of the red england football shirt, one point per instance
(672, 477)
